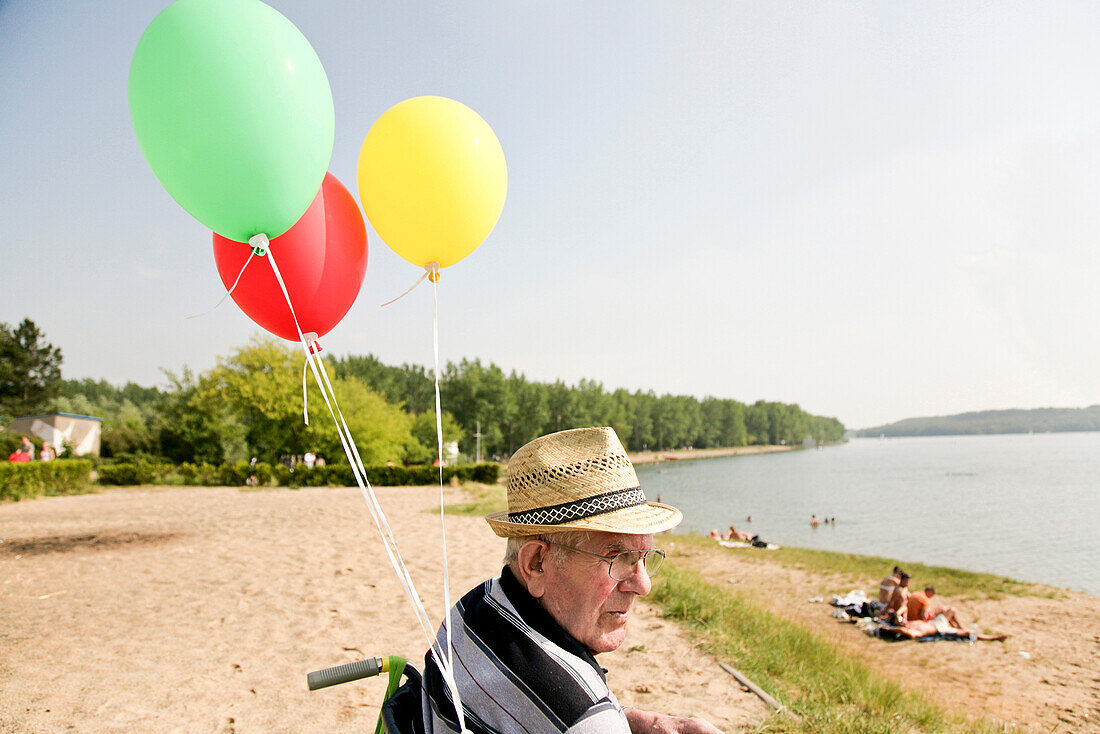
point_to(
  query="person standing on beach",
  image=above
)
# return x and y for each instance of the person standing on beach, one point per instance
(580, 551)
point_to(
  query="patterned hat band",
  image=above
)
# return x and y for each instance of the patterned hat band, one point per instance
(580, 509)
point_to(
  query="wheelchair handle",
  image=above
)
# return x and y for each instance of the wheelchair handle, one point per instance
(346, 672)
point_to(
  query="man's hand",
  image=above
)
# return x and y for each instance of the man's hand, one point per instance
(651, 722)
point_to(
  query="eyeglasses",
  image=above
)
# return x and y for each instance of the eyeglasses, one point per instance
(622, 566)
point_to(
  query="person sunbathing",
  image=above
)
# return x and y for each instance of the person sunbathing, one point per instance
(920, 607)
(735, 534)
(886, 586)
(918, 628)
(897, 608)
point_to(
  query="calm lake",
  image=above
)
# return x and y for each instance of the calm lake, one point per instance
(1025, 506)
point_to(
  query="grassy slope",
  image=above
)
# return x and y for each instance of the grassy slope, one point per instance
(831, 690)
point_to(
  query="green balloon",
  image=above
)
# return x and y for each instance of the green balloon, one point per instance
(233, 112)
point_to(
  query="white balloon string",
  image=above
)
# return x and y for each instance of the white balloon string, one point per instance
(229, 292)
(428, 270)
(389, 542)
(311, 344)
(434, 270)
(305, 398)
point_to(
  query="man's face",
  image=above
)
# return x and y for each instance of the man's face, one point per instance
(583, 598)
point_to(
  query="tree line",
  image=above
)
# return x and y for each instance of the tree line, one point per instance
(512, 410)
(250, 405)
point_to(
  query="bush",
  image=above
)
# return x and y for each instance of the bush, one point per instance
(234, 475)
(341, 475)
(125, 475)
(285, 476)
(137, 458)
(58, 477)
(9, 442)
(263, 474)
(329, 475)
(486, 473)
(194, 475)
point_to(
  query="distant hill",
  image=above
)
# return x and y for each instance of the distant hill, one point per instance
(1039, 420)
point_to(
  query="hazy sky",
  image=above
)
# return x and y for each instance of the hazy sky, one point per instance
(875, 210)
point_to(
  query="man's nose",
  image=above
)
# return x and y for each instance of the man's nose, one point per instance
(638, 582)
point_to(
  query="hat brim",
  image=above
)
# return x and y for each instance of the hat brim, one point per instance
(652, 517)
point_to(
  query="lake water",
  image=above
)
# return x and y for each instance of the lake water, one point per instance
(1025, 506)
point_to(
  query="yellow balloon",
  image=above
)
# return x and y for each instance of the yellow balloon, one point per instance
(432, 180)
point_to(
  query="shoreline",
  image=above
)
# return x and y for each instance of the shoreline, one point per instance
(656, 457)
(1031, 682)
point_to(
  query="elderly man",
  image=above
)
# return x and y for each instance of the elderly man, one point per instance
(580, 550)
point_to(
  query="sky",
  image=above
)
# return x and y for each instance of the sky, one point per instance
(876, 210)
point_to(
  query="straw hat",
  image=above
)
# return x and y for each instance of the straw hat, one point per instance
(577, 480)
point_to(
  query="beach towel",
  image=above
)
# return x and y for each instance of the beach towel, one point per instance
(853, 605)
(746, 544)
(885, 631)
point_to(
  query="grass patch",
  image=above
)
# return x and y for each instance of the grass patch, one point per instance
(487, 498)
(952, 582)
(830, 689)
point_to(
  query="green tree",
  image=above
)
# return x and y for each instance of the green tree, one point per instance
(475, 393)
(261, 384)
(756, 422)
(410, 386)
(424, 447)
(30, 370)
(532, 413)
(643, 433)
(560, 400)
(196, 425)
(382, 432)
(131, 415)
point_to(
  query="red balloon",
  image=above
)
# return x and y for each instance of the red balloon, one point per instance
(322, 259)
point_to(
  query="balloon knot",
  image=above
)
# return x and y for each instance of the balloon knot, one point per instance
(259, 244)
(433, 271)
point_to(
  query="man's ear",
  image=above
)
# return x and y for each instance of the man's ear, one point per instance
(531, 562)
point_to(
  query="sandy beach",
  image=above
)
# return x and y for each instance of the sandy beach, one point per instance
(202, 610)
(653, 457)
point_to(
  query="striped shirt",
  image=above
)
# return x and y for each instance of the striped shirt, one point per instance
(517, 670)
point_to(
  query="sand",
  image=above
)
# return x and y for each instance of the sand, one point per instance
(202, 610)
